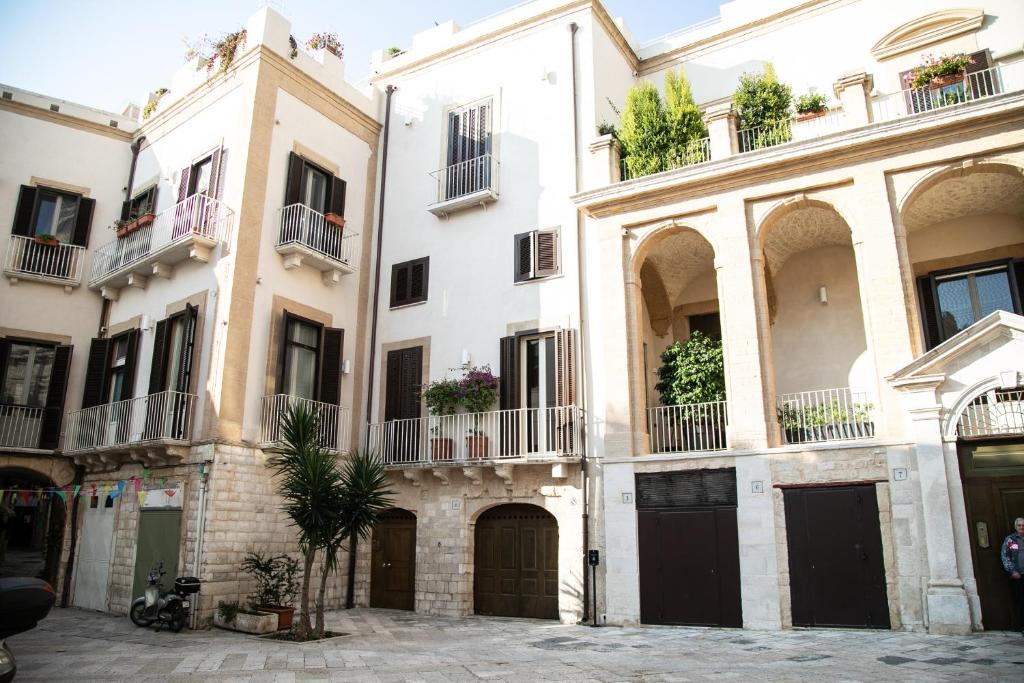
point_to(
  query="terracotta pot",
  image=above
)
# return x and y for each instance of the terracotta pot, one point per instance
(476, 446)
(144, 220)
(48, 243)
(441, 448)
(808, 115)
(284, 615)
(940, 82)
(335, 219)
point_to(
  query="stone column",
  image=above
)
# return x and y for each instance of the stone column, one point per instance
(721, 123)
(853, 89)
(948, 608)
(604, 166)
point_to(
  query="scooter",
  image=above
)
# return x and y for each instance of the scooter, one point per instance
(164, 607)
(23, 603)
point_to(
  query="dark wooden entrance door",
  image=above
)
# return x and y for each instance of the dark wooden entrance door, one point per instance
(689, 552)
(516, 563)
(393, 561)
(836, 569)
(402, 403)
(993, 477)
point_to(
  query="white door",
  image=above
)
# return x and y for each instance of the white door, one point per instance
(95, 548)
(537, 391)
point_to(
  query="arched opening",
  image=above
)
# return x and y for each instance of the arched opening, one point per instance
(822, 369)
(31, 525)
(515, 571)
(393, 561)
(964, 231)
(680, 336)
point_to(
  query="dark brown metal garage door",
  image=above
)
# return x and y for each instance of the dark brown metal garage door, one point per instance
(516, 563)
(689, 553)
(837, 575)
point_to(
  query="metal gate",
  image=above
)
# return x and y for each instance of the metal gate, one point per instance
(92, 568)
(159, 541)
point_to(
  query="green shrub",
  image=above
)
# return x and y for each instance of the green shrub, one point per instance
(642, 134)
(684, 122)
(692, 371)
(946, 65)
(761, 99)
(811, 102)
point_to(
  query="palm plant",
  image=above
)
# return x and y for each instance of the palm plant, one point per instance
(310, 485)
(364, 498)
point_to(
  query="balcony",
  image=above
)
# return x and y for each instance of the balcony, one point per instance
(308, 237)
(154, 430)
(689, 428)
(468, 183)
(497, 439)
(697, 152)
(333, 422)
(21, 428)
(826, 415)
(51, 262)
(979, 85)
(188, 230)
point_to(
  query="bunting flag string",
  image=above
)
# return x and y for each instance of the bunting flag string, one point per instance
(75, 491)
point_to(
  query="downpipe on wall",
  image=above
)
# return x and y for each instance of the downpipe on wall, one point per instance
(204, 479)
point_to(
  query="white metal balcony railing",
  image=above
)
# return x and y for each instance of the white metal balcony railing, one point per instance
(164, 416)
(20, 426)
(974, 86)
(469, 177)
(304, 226)
(996, 413)
(333, 422)
(826, 415)
(768, 135)
(697, 152)
(688, 428)
(51, 261)
(523, 433)
(198, 217)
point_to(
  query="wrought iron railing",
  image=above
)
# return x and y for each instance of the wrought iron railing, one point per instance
(302, 225)
(163, 416)
(695, 152)
(971, 87)
(466, 177)
(826, 415)
(688, 428)
(21, 426)
(995, 413)
(468, 437)
(333, 421)
(768, 135)
(27, 257)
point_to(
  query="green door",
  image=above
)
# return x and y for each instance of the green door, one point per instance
(159, 538)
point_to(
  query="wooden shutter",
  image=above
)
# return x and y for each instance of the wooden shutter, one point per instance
(330, 368)
(130, 364)
(418, 281)
(566, 370)
(929, 312)
(508, 385)
(293, 187)
(183, 382)
(336, 201)
(126, 209)
(83, 221)
(412, 381)
(219, 193)
(524, 256)
(547, 253)
(95, 390)
(151, 200)
(215, 172)
(981, 84)
(23, 214)
(183, 183)
(5, 350)
(50, 436)
(158, 367)
(399, 285)
(392, 385)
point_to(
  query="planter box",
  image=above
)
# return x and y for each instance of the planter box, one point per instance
(808, 115)
(476, 446)
(940, 82)
(140, 222)
(285, 615)
(441, 448)
(248, 623)
(47, 243)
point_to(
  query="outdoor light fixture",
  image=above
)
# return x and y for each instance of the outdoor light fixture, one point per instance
(465, 357)
(823, 294)
(346, 366)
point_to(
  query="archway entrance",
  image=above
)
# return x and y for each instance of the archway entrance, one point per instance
(516, 563)
(32, 526)
(393, 561)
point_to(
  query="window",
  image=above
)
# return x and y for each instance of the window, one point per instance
(537, 255)
(953, 300)
(173, 344)
(314, 187)
(45, 211)
(311, 360)
(117, 371)
(110, 372)
(409, 282)
(27, 376)
(201, 178)
(140, 204)
(33, 380)
(978, 82)
(468, 149)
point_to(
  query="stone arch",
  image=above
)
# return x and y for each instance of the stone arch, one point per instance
(475, 516)
(1009, 169)
(60, 471)
(655, 235)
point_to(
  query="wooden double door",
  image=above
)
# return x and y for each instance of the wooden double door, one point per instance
(836, 568)
(516, 563)
(393, 561)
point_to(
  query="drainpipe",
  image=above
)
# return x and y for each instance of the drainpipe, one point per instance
(580, 276)
(65, 591)
(204, 478)
(136, 147)
(389, 91)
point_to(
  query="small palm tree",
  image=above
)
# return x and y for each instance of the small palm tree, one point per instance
(310, 484)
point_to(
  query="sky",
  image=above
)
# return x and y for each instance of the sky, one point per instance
(105, 53)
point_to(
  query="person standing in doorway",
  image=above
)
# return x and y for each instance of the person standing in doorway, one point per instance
(1012, 555)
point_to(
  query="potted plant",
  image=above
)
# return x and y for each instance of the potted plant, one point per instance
(811, 106)
(938, 73)
(442, 398)
(276, 585)
(335, 219)
(46, 239)
(692, 373)
(232, 616)
(326, 41)
(478, 389)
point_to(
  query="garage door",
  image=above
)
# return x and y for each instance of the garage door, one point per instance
(516, 563)
(689, 553)
(92, 569)
(836, 570)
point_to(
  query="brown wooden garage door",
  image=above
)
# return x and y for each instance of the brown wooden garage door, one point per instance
(689, 554)
(393, 561)
(836, 570)
(516, 563)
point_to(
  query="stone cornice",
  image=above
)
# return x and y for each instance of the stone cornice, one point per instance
(62, 119)
(838, 149)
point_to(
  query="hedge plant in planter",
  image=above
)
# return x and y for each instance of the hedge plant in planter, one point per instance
(811, 106)
(762, 102)
(693, 372)
(442, 398)
(276, 584)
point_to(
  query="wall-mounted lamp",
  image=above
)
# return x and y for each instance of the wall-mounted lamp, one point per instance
(823, 294)
(346, 367)
(147, 323)
(466, 357)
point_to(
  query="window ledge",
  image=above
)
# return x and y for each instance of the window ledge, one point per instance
(410, 305)
(479, 198)
(534, 280)
(16, 276)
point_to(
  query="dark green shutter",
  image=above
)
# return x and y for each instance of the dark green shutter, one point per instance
(83, 221)
(183, 382)
(523, 256)
(392, 407)
(508, 386)
(293, 188)
(130, 365)
(418, 281)
(330, 368)
(336, 203)
(929, 312)
(94, 392)
(158, 366)
(23, 214)
(50, 436)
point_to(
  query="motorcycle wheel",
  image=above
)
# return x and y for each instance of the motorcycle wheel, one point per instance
(178, 620)
(137, 614)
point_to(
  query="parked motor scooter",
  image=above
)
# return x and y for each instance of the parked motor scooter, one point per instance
(164, 607)
(23, 603)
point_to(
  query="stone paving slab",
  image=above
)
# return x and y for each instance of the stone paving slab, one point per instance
(384, 645)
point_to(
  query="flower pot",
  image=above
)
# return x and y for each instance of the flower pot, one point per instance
(248, 623)
(48, 243)
(284, 615)
(808, 115)
(940, 82)
(335, 219)
(441, 448)
(476, 446)
(144, 220)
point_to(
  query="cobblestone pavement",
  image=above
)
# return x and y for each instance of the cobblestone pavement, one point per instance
(384, 645)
